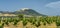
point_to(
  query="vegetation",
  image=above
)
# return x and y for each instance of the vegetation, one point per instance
(36, 21)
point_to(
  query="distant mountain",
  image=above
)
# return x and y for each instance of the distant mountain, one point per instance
(28, 11)
(25, 11)
(4, 12)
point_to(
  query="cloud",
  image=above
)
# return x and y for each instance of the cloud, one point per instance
(53, 8)
(53, 4)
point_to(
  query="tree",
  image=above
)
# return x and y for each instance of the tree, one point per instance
(21, 16)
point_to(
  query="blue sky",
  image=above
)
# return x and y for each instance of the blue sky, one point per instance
(47, 7)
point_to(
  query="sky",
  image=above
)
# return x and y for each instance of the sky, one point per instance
(46, 7)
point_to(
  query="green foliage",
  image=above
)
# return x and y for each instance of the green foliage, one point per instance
(24, 21)
(20, 15)
(34, 20)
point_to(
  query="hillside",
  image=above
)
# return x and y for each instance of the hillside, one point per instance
(28, 11)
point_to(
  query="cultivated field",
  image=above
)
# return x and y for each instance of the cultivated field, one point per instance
(31, 22)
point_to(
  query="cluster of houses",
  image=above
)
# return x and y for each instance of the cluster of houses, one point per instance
(7, 15)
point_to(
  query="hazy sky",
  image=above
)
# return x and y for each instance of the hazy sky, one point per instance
(47, 7)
